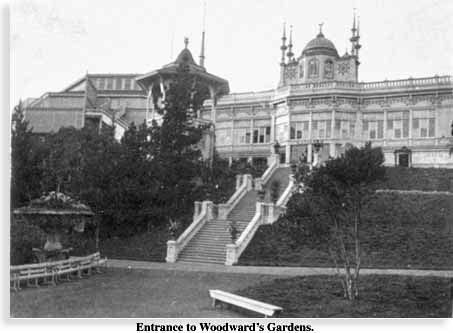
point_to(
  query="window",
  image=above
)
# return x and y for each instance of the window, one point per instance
(321, 129)
(423, 124)
(127, 84)
(101, 84)
(109, 84)
(397, 125)
(262, 134)
(372, 129)
(118, 83)
(301, 69)
(242, 136)
(343, 129)
(313, 68)
(328, 69)
(299, 130)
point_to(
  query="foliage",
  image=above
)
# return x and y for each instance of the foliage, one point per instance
(218, 180)
(275, 191)
(332, 203)
(233, 230)
(23, 238)
(399, 231)
(26, 160)
(422, 179)
(244, 167)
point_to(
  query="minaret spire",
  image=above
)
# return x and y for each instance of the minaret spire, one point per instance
(283, 47)
(354, 37)
(202, 55)
(290, 53)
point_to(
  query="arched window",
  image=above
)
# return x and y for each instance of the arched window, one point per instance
(328, 69)
(301, 71)
(313, 68)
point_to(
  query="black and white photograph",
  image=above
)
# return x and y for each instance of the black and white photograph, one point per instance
(230, 159)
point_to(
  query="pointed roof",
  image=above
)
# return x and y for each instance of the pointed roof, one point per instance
(184, 58)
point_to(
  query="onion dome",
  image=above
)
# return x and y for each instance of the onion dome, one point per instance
(320, 46)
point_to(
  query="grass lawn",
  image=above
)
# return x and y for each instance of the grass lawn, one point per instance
(399, 231)
(131, 293)
(381, 297)
(164, 293)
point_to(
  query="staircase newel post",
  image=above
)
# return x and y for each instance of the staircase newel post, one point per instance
(270, 217)
(172, 251)
(197, 209)
(230, 254)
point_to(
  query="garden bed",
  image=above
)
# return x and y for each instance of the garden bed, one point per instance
(398, 231)
(380, 297)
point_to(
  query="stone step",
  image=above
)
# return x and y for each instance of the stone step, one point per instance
(207, 255)
(203, 260)
(206, 247)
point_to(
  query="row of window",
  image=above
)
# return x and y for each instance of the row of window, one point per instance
(243, 135)
(399, 128)
(321, 129)
(116, 83)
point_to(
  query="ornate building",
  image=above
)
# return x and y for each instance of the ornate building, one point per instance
(317, 110)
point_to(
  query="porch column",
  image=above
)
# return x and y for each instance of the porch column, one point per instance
(272, 139)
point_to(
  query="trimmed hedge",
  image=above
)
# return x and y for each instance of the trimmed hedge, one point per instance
(398, 231)
(423, 179)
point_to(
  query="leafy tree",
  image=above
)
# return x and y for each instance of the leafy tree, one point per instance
(173, 146)
(26, 160)
(330, 209)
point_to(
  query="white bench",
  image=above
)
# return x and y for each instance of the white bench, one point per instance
(268, 310)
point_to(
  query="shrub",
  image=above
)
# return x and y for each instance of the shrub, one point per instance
(275, 190)
(24, 237)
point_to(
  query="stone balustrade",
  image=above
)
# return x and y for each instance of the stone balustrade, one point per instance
(204, 212)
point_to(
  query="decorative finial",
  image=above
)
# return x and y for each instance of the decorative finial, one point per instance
(358, 26)
(320, 30)
(290, 53)
(202, 56)
(186, 42)
(284, 31)
(353, 22)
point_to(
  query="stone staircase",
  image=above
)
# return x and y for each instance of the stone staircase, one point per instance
(209, 244)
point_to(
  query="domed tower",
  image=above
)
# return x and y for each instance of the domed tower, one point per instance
(320, 62)
(317, 61)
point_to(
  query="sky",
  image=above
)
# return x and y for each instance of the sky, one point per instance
(55, 42)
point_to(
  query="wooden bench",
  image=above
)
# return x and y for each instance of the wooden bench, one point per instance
(53, 271)
(268, 310)
(32, 272)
